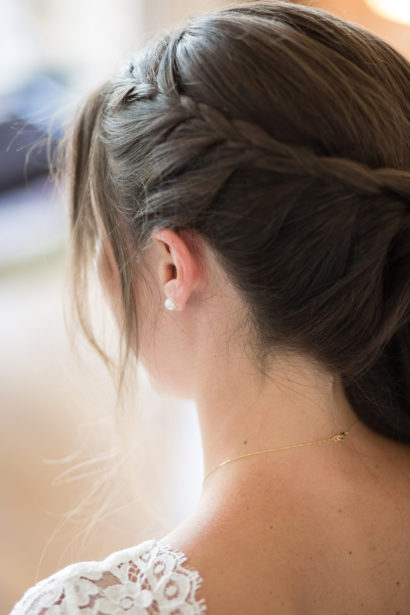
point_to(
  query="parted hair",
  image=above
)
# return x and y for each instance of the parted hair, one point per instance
(280, 135)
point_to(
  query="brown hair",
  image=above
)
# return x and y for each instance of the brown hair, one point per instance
(280, 134)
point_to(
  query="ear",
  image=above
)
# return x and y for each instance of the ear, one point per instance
(178, 271)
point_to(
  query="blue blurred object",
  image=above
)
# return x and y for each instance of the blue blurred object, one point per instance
(32, 218)
(31, 121)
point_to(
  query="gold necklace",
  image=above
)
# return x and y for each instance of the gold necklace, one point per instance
(339, 437)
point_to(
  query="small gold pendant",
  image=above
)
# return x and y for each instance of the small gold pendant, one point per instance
(340, 436)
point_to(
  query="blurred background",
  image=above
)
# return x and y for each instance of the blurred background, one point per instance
(66, 492)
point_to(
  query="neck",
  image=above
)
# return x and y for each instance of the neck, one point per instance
(242, 412)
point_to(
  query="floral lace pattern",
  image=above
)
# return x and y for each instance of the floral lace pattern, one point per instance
(148, 579)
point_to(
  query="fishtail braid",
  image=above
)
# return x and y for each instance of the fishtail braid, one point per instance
(263, 149)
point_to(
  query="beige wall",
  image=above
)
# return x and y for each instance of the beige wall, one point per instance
(398, 35)
(159, 14)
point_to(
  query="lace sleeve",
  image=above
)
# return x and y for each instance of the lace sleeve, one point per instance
(148, 579)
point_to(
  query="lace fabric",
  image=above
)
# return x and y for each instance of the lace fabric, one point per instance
(148, 579)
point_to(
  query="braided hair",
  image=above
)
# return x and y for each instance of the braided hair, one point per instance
(281, 135)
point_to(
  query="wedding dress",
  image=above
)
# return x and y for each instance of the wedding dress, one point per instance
(147, 579)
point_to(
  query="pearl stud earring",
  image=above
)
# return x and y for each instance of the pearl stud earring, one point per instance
(169, 304)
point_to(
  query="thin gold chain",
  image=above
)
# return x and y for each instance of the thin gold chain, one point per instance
(339, 437)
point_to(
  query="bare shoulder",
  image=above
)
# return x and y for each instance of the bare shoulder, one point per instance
(306, 551)
(230, 581)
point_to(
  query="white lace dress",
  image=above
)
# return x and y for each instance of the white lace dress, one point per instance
(143, 580)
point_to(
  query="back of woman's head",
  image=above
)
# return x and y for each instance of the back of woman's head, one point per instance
(280, 135)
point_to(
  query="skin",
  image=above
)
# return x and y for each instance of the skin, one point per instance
(311, 516)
